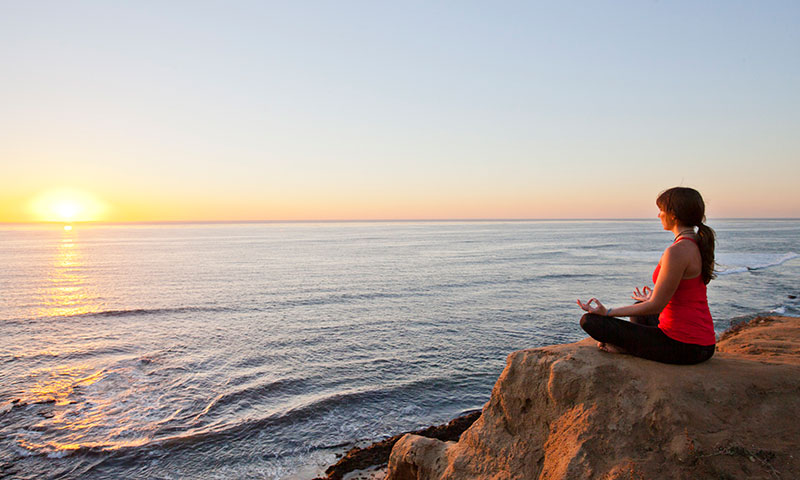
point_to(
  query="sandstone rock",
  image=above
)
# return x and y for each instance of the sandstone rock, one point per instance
(574, 412)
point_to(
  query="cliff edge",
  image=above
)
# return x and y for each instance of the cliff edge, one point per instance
(574, 412)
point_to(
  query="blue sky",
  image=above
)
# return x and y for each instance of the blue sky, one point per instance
(319, 110)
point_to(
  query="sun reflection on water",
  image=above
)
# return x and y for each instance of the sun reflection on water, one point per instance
(82, 408)
(67, 290)
(61, 383)
(79, 405)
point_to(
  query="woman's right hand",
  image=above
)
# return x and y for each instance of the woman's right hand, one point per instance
(597, 309)
(643, 295)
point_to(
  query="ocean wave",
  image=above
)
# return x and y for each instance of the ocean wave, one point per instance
(69, 354)
(433, 289)
(790, 307)
(314, 405)
(731, 263)
(152, 311)
(251, 393)
(596, 246)
(558, 276)
(339, 298)
(132, 312)
(27, 448)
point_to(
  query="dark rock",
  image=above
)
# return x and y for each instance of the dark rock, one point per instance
(378, 452)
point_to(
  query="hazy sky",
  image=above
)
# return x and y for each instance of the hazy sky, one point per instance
(364, 110)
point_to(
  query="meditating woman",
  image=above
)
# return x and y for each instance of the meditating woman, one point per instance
(671, 322)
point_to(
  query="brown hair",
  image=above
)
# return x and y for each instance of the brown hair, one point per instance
(688, 207)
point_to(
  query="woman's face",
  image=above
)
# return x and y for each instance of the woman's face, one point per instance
(667, 220)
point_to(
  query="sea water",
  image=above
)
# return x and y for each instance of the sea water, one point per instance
(262, 350)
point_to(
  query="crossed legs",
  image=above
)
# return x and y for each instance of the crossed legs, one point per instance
(645, 341)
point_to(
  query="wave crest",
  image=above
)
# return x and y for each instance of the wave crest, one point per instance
(745, 262)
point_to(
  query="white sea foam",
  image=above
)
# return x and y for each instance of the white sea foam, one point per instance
(728, 263)
(59, 454)
(744, 262)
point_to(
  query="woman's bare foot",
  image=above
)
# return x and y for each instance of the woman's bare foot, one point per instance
(607, 347)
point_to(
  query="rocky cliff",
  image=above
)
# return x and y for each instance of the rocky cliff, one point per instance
(574, 412)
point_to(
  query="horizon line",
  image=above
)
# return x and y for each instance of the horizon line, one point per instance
(381, 220)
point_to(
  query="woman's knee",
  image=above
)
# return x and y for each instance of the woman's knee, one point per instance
(590, 322)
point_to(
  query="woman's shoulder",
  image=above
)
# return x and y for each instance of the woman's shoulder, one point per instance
(685, 242)
(682, 244)
(682, 247)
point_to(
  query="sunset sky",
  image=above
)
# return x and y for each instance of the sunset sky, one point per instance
(293, 110)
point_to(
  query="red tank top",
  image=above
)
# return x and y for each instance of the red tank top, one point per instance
(686, 318)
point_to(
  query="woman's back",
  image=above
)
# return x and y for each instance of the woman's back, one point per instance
(686, 317)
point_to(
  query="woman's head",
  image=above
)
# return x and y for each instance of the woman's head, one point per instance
(686, 207)
(684, 204)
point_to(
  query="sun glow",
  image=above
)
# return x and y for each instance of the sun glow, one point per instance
(67, 205)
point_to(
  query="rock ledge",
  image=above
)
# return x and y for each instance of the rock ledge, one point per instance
(574, 412)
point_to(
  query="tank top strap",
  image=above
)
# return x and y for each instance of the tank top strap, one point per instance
(686, 238)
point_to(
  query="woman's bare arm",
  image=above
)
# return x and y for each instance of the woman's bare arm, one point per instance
(674, 262)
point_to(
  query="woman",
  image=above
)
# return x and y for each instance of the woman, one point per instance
(684, 330)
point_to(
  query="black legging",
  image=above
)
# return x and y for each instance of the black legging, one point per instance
(642, 338)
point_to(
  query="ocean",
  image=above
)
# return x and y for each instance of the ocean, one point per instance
(263, 350)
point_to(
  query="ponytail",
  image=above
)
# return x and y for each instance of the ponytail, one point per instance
(707, 238)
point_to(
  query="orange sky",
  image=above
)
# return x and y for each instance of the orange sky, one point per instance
(75, 205)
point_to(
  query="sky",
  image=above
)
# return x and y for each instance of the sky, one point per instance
(324, 110)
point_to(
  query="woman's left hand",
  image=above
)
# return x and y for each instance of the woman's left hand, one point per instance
(597, 309)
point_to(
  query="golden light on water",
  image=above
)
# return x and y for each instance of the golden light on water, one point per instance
(61, 383)
(78, 425)
(67, 205)
(68, 290)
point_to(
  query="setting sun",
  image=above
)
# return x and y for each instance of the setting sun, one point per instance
(67, 205)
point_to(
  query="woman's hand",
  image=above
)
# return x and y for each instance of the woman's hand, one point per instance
(597, 309)
(643, 295)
